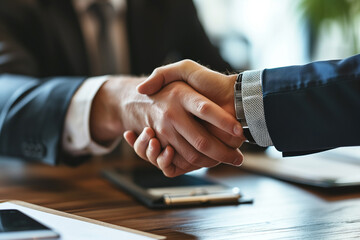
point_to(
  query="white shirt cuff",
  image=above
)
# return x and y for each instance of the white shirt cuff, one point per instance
(76, 136)
(253, 104)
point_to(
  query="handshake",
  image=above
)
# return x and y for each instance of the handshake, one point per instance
(181, 118)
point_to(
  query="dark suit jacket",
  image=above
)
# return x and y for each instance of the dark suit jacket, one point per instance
(313, 107)
(43, 61)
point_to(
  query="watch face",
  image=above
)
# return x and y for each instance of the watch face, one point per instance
(239, 109)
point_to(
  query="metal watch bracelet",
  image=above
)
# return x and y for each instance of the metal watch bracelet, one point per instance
(239, 108)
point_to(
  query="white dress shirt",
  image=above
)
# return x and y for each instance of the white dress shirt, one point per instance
(76, 138)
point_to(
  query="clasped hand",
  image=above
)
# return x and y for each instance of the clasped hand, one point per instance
(189, 119)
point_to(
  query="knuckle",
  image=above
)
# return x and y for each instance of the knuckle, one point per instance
(174, 92)
(186, 62)
(202, 107)
(168, 115)
(157, 71)
(162, 131)
(201, 143)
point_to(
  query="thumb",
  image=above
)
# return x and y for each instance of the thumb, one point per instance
(164, 75)
(152, 84)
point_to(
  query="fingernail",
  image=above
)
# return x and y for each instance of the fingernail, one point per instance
(150, 146)
(238, 130)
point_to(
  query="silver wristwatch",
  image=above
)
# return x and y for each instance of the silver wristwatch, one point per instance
(239, 108)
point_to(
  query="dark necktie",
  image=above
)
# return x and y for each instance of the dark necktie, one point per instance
(105, 14)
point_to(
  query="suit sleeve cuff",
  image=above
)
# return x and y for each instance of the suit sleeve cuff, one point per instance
(76, 136)
(252, 97)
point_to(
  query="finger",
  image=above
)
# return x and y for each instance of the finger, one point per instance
(167, 74)
(182, 166)
(197, 136)
(190, 158)
(142, 142)
(229, 140)
(130, 137)
(210, 112)
(165, 163)
(153, 151)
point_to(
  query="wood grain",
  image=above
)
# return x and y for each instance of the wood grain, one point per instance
(281, 210)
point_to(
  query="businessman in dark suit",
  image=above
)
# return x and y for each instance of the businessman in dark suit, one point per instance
(298, 109)
(51, 103)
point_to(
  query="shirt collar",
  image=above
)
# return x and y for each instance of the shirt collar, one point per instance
(82, 5)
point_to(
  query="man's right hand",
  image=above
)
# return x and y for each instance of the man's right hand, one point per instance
(174, 115)
(216, 86)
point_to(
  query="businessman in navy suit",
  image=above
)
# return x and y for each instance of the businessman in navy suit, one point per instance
(297, 109)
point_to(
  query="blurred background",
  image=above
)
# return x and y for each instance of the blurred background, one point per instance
(256, 34)
(266, 33)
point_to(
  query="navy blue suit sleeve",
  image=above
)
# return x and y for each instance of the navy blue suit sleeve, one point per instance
(32, 113)
(313, 107)
(33, 104)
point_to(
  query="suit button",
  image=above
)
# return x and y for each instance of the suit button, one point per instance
(33, 150)
(26, 149)
(40, 150)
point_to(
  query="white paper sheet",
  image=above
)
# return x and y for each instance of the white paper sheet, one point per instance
(74, 229)
(337, 167)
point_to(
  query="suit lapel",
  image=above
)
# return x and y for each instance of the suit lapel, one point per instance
(68, 33)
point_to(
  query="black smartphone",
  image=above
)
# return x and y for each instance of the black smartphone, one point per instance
(155, 190)
(15, 225)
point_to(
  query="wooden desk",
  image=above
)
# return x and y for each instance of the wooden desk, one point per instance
(280, 211)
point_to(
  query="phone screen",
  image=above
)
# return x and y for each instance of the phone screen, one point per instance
(15, 225)
(14, 220)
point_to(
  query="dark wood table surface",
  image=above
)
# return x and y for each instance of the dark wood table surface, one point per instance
(280, 211)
